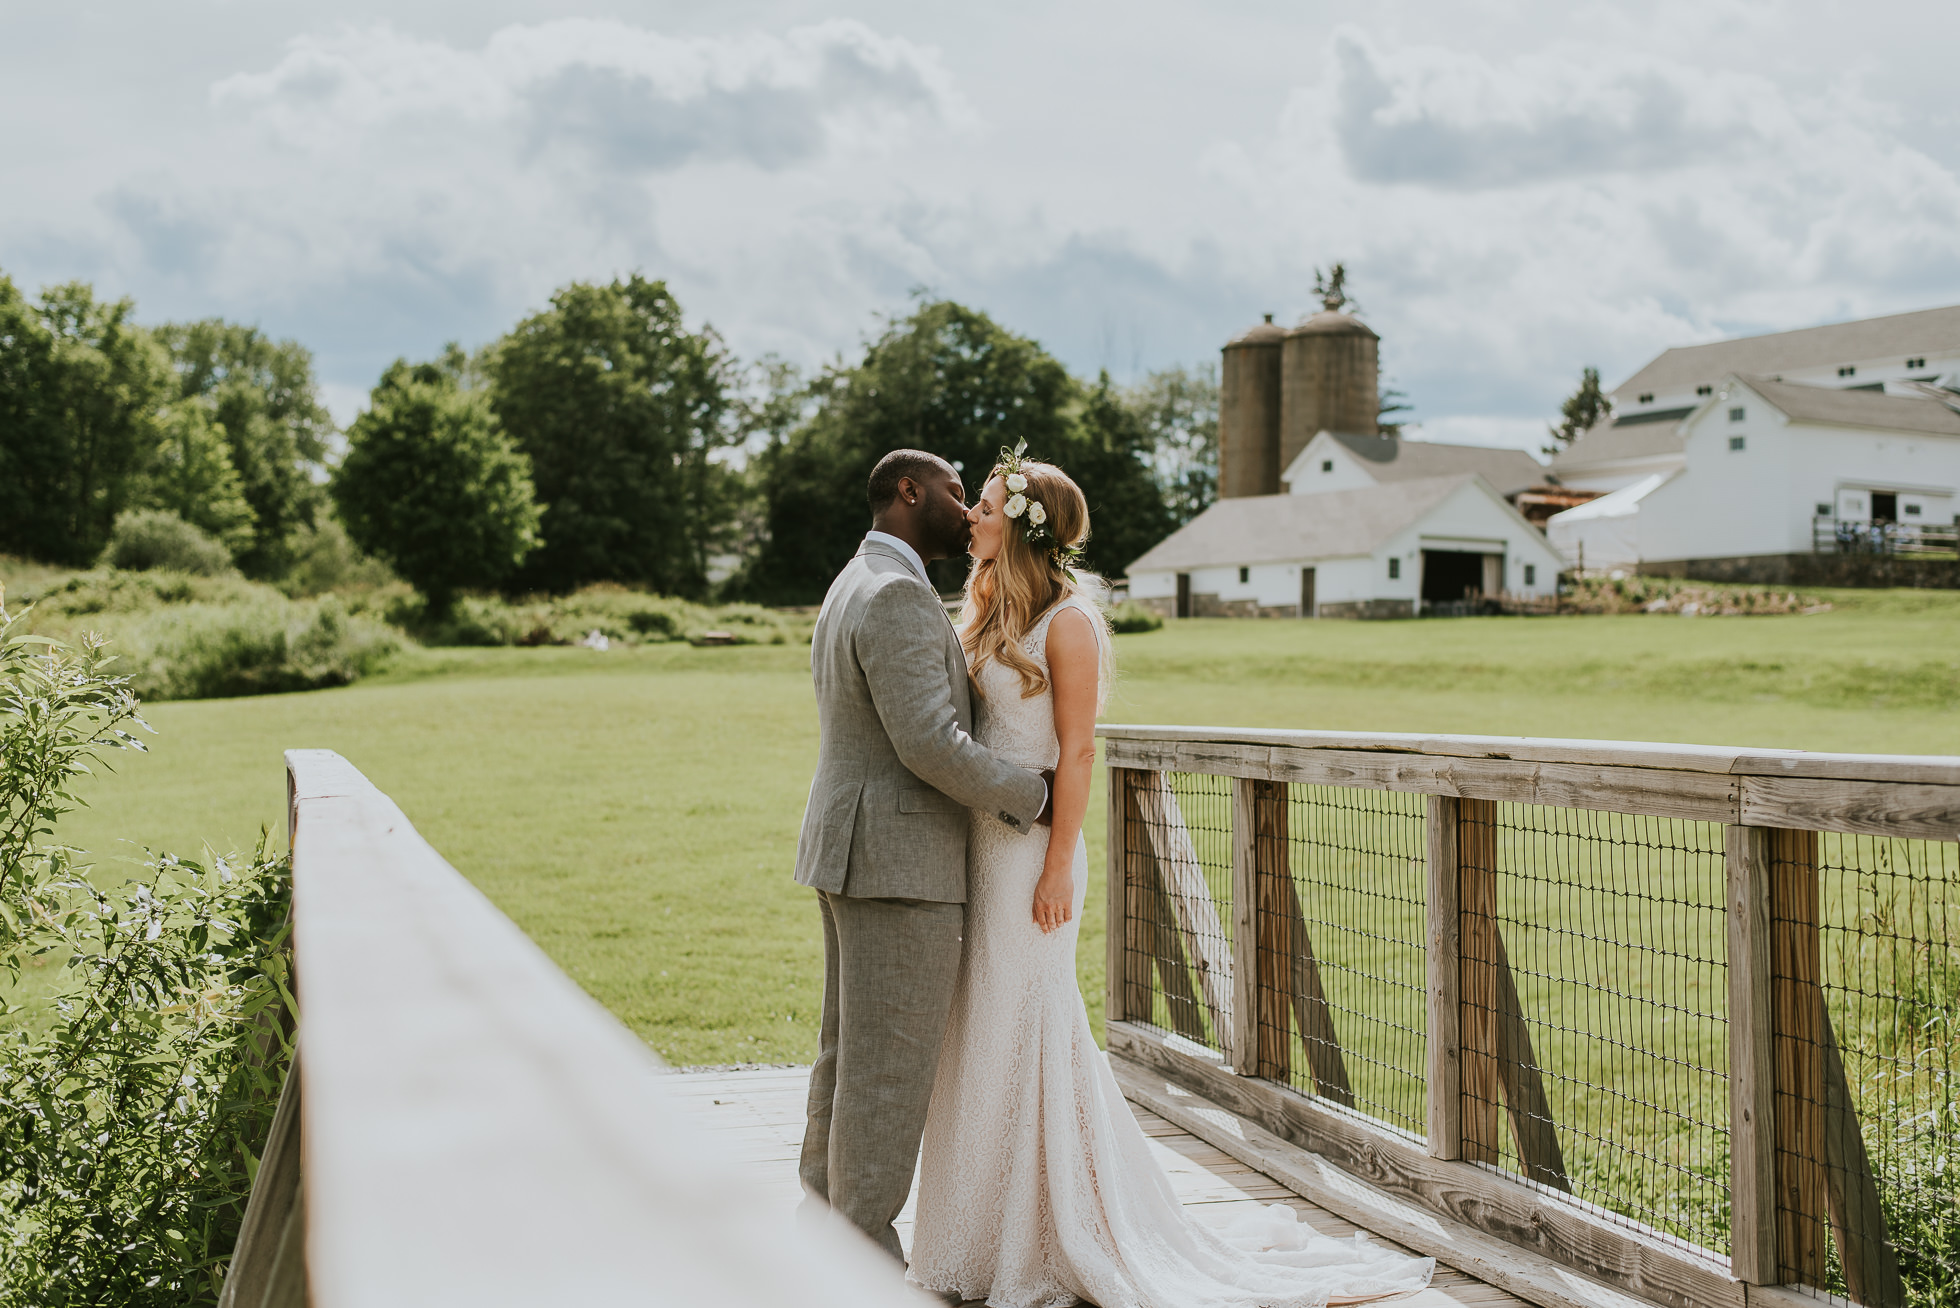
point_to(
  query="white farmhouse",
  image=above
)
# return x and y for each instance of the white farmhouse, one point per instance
(1765, 475)
(1334, 461)
(1377, 550)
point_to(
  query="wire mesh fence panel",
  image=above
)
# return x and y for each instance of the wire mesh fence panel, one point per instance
(1178, 903)
(1597, 993)
(1874, 1075)
(1351, 988)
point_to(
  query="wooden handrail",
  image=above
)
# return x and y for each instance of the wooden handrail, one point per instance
(1799, 1164)
(474, 1128)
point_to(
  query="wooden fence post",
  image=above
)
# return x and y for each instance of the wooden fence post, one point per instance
(1273, 876)
(1116, 898)
(1477, 1022)
(1139, 909)
(1444, 982)
(1798, 1004)
(1823, 1177)
(1243, 1051)
(1752, 1080)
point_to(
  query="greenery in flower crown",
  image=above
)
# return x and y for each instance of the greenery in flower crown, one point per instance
(1031, 514)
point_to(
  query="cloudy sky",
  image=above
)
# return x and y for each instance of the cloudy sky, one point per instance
(1519, 187)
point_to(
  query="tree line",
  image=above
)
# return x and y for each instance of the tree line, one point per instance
(599, 440)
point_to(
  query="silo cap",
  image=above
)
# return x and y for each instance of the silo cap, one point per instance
(1264, 333)
(1332, 322)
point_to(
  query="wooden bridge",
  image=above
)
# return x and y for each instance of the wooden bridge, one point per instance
(1591, 1023)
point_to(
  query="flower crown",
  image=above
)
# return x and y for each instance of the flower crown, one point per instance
(1032, 514)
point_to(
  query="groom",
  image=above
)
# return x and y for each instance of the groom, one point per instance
(884, 840)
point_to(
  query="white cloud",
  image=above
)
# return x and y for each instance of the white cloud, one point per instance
(1514, 202)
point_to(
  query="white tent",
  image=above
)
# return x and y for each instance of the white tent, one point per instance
(1602, 533)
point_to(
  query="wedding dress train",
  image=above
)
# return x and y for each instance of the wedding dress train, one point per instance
(1037, 1187)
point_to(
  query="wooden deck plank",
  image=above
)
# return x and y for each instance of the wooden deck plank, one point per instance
(756, 1119)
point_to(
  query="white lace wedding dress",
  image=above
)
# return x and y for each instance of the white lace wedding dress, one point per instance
(1037, 1187)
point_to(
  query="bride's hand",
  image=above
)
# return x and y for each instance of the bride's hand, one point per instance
(1054, 897)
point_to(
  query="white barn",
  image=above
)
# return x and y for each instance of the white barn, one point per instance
(1335, 461)
(1760, 471)
(1380, 550)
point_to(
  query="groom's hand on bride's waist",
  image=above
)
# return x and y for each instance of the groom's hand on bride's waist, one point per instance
(1046, 818)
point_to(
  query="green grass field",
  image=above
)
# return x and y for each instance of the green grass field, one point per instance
(636, 811)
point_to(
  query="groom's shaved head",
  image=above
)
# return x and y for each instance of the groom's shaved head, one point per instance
(899, 464)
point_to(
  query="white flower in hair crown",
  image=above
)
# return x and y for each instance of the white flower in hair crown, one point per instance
(1032, 514)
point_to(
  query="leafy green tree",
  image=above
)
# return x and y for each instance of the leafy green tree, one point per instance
(1178, 407)
(1111, 461)
(1389, 402)
(192, 476)
(261, 393)
(432, 485)
(945, 378)
(621, 411)
(81, 389)
(1583, 408)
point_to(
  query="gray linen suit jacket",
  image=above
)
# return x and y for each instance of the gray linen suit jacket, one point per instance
(897, 766)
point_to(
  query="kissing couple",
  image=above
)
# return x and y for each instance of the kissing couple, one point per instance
(944, 840)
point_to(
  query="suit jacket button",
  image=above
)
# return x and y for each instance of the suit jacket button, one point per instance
(1008, 818)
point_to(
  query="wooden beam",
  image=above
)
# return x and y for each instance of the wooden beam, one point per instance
(1532, 1129)
(1242, 1051)
(1752, 1081)
(1477, 1023)
(1871, 1265)
(1139, 912)
(269, 1260)
(1116, 920)
(1608, 1247)
(1444, 980)
(1273, 876)
(1181, 878)
(1155, 924)
(1798, 1005)
(1316, 1021)
(1877, 808)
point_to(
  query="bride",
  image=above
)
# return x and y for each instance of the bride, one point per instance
(1036, 1185)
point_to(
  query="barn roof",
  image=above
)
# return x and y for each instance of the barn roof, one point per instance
(1824, 404)
(1393, 459)
(1285, 528)
(1612, 442)
(1927, 331)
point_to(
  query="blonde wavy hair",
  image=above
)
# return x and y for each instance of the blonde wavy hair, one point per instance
(1007, 594)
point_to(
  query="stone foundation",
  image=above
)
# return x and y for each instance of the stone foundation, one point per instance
(1374, 610)
(1849, 570)
(1210, 606)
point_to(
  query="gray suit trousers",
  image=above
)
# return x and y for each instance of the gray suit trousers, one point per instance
(889, 969)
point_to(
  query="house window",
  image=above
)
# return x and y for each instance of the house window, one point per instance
(1531, 574)
(1912, 510)
(1849, 370)
(1823, 510)
(1704, 390)
(1394, 569)
(1738, 414)
(1915, 363)
(1327, 465)
(1245, 575)
(1647, 398)
(1738, 442)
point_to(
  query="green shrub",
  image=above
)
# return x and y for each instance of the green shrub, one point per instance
(207, 651)
(1130, 616)
(143, 1038)
(146, 540)
(324, 560)
(624, 617)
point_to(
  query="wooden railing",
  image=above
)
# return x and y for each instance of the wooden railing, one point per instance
(1461, 988)
(465, 1126)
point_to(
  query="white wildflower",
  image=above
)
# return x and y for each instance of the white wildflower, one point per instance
(1016, 505)
(1036, 514)
(1016, 483)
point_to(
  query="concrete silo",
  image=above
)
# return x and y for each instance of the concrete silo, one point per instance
(1249, 412)
(1328, 379)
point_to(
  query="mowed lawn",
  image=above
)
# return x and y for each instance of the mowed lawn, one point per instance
(635, 811)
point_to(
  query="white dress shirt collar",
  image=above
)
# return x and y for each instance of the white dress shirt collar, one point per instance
(905, 551)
